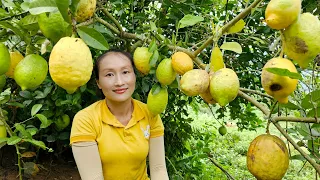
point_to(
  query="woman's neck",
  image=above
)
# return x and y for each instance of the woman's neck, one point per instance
(121, 110)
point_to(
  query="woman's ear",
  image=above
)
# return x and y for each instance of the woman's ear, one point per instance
(97, 81)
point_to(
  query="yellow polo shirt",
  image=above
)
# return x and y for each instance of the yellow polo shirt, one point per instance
(123, 149)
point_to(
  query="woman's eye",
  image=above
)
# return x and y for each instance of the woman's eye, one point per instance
(109, 74)
(125, 72)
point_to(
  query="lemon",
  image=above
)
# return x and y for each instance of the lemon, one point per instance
(62, 122)
(281, 13)
(157, 103)
(216, 59)
(3, 131)
(302, 39)
(141, 57)
(2, 81)
(280, 87)
(31, 72)
(70, 63)
(206, 96)
(181, 62)
(194, 82)
(85, 10)
(53, 26)
(15, 58)
(224, 86)
(267, 157)
(223, 130)
(4, 59)
(165, 73)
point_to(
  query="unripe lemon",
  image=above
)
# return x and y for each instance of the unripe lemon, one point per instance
(223, 130)
(280, 87)
(181, 62)
(4, 59)
(157, 103)
(31, 72)
(194, 82)
(15, 58)
(3, 131)
(70, 63)
(301, 39)
(85, 10)
(281, 13)
(141, 57)
(224, 86)
(165, 73)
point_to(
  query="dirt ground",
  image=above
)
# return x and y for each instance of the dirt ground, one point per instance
(51, 168)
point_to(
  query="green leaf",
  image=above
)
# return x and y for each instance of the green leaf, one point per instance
(93, 38)
(64, 136)
(155, 89)
(37, 143)
(22, 130)
(312, 112)
(32, 130)
(153, 26)
(25, 94)
(3, 140)
(290, 105)
(29, 22)
(237, 27)
(284, 72)
(17, 31)
(16, 104)
(154, 58)
(44, 121)
(153, 46)
(3, 13)
(74, 4)
(298, 157)
(232, 46)
(63, 6)
(189, 20)
(35, 109)
(40, 6)
(13, 140)
(5, 96)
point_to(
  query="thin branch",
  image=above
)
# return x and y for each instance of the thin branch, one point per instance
(86, 23)
(254, 102)
(244, 13)
(220, 167)
(256, 92)
(105, 11)
(105, 23)
(295, 119)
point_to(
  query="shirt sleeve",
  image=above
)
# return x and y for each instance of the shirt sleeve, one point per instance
(156, 127)
(83, 128)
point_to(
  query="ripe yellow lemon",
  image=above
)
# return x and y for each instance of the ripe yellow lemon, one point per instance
(194, 82)
(141, 57)
(70, 63)
(281, 13)
(85, 10)
(157, 103)
(268, 157)
(31, 72)
(4, 59)
(165, 73)
(280, 87)
(181, 62)
(15, 58)
(224, 86)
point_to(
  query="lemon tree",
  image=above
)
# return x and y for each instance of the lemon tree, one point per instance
(229, 42)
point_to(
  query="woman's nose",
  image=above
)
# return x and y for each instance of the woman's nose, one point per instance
(119, 81)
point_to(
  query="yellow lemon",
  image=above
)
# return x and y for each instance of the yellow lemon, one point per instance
(181, 62)
(281, 13)
(85, 10)
(15, 58)
(194, 82)
(70, 63)
(141, 57)
(165, 73)
(280, 87)
(31, 72)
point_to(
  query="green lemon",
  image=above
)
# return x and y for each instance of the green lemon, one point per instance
(165, 73)
(4, 59)
(222, 130)
(157, 102)
(62, 122)
(141, 57)
(2, 81)
(31, 72)
(53, 26)
(3, 131)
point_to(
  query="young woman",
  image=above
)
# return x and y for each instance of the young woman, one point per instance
(112, 138)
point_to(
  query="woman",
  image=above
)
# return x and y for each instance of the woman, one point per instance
(112, 138)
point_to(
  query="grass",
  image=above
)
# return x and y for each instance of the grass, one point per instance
(230, 150)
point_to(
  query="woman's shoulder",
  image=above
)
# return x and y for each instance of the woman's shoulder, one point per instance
(94, 108)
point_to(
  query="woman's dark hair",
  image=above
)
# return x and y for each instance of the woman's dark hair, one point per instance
(97, 64)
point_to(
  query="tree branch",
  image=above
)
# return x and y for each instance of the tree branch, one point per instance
(244, 13)
(104, 10)
(220, 167)
(295, 119)
(264, 109)
(105, 23)
(255, 92)
(86, 23)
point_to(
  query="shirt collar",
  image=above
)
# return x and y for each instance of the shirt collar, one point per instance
(110, 119)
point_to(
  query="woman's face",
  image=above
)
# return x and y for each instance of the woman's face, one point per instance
(116, 77)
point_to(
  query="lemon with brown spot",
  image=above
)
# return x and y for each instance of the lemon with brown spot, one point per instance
(194, 82)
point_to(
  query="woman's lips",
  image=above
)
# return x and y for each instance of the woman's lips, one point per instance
(120, 91)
